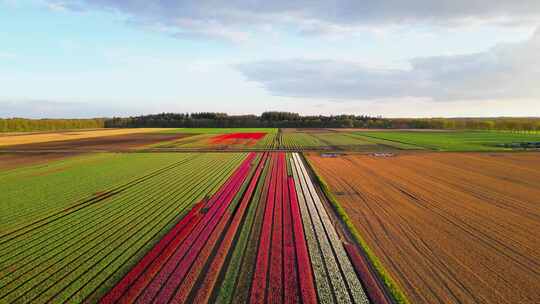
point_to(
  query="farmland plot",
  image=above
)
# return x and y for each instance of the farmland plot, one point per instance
(255, 240)
(80, 251)
(299, 141)
(452, 140)
(450, 228)
(33, 138)
(33, 193)
(124, 142)
(252, 140)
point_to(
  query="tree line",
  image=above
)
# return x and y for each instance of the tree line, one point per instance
(295, 120)
(265, 120)
(27, 125)
(272, 119)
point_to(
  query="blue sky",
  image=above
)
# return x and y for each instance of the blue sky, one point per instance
(76, 58)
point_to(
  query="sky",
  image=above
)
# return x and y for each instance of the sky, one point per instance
(415, 58)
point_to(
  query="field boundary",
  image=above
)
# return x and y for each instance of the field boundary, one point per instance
(393, 289)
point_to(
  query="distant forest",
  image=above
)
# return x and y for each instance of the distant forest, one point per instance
(294, 120)
(27, 125)
(270, 119)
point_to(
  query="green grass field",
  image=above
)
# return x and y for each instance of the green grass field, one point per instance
(451, 140)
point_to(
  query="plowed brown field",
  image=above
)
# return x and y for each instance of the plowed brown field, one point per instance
(21, 139)
(43, 152)
(449, 227)
(16, 160)
(112, 142)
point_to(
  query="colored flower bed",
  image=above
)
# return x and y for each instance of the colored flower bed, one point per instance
(263, 237)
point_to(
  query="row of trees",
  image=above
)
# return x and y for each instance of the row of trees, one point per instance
(26, 125)
(266, 120)
(294, 120)
(270, 119)
(518, 124)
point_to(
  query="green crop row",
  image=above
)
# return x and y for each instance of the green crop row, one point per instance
(97, 244)
(298, 141)
(32, 193)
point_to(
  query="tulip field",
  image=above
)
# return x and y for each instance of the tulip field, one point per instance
(271, 139)
(243, 215)
(264, 236)
(191, 227)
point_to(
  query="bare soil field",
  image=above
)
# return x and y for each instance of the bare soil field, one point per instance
(20, 139)
(5, 134)
(449, 227)
(16, 160)
(112, 142)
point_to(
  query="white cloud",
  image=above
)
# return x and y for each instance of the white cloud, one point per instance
(506, 71)
(236, 20)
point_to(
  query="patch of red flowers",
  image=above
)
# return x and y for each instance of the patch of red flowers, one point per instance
(237, 137)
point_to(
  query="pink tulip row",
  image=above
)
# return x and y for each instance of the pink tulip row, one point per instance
(156, 276)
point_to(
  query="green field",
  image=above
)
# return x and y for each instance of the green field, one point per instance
(298, 140)
(452, 140)
(63, 246)
(31, 193)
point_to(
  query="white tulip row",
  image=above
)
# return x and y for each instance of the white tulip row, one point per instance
(335, 277)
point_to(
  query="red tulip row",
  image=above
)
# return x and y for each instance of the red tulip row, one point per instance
(211, 277)
(247, 139)
(305, 273)
(282, 270)
(155, 277)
